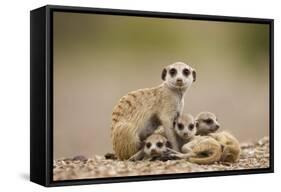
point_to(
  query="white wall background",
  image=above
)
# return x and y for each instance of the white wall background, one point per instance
(14, 97)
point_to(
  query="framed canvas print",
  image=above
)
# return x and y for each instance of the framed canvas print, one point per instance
(122, 95)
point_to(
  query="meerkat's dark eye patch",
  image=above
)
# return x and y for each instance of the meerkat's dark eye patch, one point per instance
(209, 121)
(191, 127)
(159, 144)
(148, 145)
(173, 72)
(168, 144)
(180, 126)
(186, 72)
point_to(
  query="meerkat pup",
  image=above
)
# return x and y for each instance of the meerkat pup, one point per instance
(155, 147)
(139, 113)
(183, 127)
(197, 149)
(207, 124)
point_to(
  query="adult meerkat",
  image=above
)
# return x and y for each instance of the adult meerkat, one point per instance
(155, 147)
(140, 112)
(207, 124)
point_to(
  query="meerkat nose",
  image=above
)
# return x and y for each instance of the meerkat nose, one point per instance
(185, 134)
(217, 127)
(179, 80)
(153, 151)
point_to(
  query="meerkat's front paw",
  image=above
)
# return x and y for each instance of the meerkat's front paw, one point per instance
(132, 159)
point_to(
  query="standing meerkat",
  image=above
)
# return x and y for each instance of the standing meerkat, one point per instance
(207, 124)
(140, 112)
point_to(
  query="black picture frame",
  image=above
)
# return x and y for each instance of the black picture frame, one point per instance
(41, 93)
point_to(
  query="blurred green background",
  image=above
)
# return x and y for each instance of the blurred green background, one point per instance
(99, 58)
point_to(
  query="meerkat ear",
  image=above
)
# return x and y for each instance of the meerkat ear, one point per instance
(164, 73)
(168, 144)
(194, 75)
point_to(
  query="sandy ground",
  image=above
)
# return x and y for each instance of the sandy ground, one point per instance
(254, 155)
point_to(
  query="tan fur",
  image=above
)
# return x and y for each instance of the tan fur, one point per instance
(160, 130)
(203, 150)
(230, 146)
(186, 120)
(152, 151)
(198, 149)
(139, 113)
(153, 140)
(201, 121)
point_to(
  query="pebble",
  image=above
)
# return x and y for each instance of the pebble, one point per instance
(79, 158)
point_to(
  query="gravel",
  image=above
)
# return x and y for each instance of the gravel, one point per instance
(253, 155)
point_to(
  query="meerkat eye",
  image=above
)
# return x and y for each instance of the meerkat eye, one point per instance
(209, 121)
(186, 72)
(159, 144)
(191, 126)
(173, 72)
(148, 145)
(180, 126)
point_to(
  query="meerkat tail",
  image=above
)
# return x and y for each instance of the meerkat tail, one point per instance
(206, 153)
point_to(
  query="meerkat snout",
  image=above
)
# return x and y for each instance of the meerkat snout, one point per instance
(179, 75)
(179, 82)
(184, 126)
(206, 123)
(217, 127)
